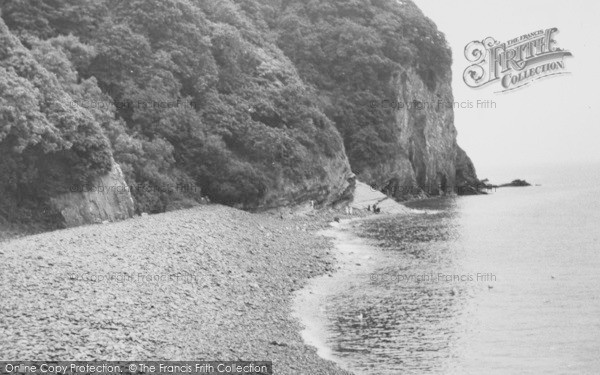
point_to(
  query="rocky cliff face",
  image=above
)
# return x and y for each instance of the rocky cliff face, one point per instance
(335, 183)
(428, 159)
(466, 177)
(383, 72)
(426, 151)
(108, 198)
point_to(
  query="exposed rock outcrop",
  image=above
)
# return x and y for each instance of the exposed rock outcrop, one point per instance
(426, 145)
(383, 71)
(335, 184)
(467, 182)
(428, 159)
(107, 199)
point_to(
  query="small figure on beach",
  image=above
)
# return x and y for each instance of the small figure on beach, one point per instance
(376, 209)
(369, 208)
(312, 205)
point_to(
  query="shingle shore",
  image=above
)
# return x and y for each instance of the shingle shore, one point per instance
(211, 283)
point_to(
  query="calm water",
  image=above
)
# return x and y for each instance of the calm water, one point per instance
(534, 309)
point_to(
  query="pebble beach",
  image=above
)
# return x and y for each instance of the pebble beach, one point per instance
(209, 283)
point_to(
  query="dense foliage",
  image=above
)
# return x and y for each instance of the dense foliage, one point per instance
(351, 51)
(47, 142)
(179, 92)
(199, 93)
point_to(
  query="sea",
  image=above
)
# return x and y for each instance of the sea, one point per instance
(505, 283)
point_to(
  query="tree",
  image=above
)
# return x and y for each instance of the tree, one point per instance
(48, 142)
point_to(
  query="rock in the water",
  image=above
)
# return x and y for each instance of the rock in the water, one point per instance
(516, 183)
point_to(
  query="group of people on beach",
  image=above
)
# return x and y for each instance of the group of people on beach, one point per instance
(376, 209)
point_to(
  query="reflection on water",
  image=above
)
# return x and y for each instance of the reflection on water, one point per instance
(498, 284)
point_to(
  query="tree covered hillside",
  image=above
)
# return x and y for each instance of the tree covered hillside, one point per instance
(178, 92)
(253, 103)
(352, 51)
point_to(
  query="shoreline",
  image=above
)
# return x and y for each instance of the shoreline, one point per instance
(245, 273)
(355, 258)
(64, 299)
(352, 256)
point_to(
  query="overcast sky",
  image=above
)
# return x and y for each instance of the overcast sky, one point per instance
(554, 120)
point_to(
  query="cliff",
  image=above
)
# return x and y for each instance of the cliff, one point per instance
(252, 103)
(466, 177)
(426, 155)
(383, 71)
